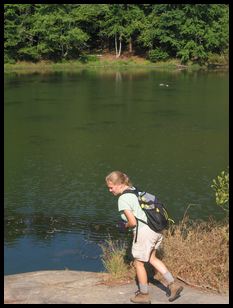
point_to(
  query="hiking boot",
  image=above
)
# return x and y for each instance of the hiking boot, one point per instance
(140, 298)
(175, 290)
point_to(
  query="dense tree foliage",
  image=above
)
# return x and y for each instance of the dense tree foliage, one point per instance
(34, 32)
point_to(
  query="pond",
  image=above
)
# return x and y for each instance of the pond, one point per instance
(64, 132)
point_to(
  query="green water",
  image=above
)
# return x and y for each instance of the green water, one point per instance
(63, 133)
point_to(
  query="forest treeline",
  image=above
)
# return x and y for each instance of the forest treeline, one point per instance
(57, 32)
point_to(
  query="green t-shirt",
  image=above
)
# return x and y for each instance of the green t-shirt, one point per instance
(129, 201)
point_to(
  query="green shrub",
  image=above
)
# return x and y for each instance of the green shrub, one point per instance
(8, 60)
(221, 187)
(157, 55)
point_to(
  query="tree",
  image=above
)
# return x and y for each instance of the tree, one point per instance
(58, 32)
(187, 31)
(134, 20)
(113, 25)
(193, 32)
(17, 29)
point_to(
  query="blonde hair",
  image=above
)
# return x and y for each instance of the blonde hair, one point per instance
(118, 177)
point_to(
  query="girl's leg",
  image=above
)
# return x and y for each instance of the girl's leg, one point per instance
(141, 274)
(141, 296)
(175, 289)
(158, 264)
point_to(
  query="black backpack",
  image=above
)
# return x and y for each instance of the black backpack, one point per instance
(157, 215)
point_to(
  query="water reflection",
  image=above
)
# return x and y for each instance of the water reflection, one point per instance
(39, 242)
(13, 103)
(42, 227)
(40, 140)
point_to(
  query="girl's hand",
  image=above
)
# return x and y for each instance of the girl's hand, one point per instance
(121, 225)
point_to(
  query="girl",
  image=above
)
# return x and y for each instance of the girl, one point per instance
(144, 249)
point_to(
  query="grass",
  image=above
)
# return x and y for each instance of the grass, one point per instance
(116, 260)
(196, 252)
(108, 61)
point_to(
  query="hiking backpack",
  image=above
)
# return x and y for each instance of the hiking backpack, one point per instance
(157, 215)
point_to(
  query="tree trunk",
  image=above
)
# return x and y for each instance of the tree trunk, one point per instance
(130, 45)
(66, 52)
(62, 51)
(119, 53)
(116, 45)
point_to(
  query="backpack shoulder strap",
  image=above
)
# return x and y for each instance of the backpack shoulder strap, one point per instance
(131, 191)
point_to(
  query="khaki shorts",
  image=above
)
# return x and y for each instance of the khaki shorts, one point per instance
(147, 240)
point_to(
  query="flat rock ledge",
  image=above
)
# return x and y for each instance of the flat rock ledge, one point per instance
(80, 287)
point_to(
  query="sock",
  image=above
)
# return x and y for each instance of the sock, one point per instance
(169, 278)
(143, 288)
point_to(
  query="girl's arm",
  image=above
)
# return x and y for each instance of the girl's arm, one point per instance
(132, 222)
